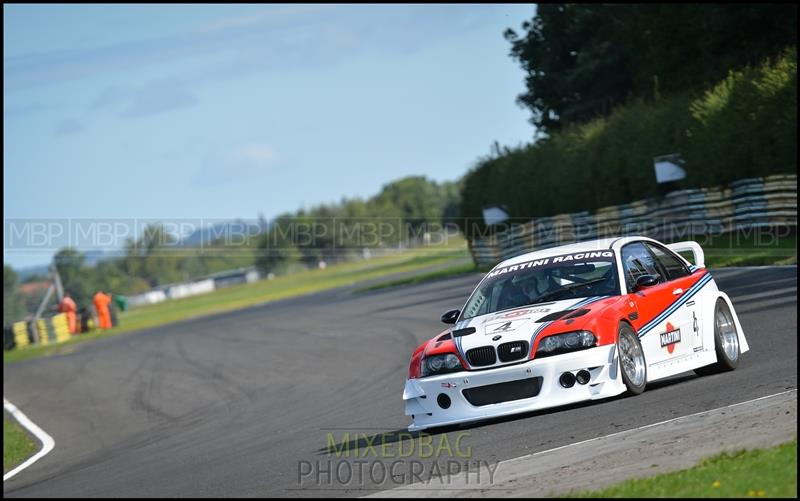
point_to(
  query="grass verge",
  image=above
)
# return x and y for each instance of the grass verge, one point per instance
(452, 271)
(241, 296)
(17, 445)
(755, 473)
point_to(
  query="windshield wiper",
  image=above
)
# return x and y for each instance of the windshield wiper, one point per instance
(567, 288)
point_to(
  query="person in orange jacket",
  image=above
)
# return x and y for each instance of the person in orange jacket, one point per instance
(68, 307)
(101, 302)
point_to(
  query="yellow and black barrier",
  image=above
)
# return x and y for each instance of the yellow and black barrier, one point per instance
(50, 330)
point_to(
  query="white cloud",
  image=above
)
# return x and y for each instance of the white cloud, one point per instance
(261, 155)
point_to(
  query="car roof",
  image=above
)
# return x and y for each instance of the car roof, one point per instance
(588, 245)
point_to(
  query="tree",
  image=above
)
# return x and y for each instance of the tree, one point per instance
(154, 256)
(419, 201)
(76, 278)
(583, 60)
(13, 309)
(276, 248)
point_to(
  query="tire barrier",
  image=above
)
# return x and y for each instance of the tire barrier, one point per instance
(769, 202)
(48, 331)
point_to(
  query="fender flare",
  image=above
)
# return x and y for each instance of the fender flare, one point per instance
(743, 346)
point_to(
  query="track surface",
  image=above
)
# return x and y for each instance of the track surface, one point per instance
(228, 405)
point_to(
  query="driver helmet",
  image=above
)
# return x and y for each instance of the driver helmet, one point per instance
(531, 284)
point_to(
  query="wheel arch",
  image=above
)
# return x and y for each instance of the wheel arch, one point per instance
(623, 320)
(743, 346)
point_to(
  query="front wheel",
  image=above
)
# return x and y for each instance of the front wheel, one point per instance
(631, 359)
(726, 341)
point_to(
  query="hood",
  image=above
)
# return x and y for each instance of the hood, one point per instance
(526, 323)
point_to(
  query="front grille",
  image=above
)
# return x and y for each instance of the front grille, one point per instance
(503, 392)
(479, 357)
(514, 350)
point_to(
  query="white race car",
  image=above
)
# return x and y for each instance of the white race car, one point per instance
(573, 323)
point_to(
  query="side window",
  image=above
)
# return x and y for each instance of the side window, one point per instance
(672, 265)
(637, 261)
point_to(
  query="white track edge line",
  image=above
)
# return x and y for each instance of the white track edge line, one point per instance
(47, 441)
(793, 390)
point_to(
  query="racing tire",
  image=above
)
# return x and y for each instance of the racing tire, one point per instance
(632, 363)
(726, 341)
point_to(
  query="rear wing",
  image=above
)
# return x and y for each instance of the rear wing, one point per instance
(694, 248)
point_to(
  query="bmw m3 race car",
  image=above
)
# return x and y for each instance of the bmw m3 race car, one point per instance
(568, 324)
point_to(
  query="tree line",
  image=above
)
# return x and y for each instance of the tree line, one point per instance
(583, 60)
(326, 232)
(610, 87)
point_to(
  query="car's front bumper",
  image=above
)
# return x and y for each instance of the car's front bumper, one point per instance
(421, 395)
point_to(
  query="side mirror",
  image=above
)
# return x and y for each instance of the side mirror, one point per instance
(645, 281)
(451, 316)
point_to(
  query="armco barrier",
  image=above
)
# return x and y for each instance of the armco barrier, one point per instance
(51, 330)
(200, 286)
(749, 203)
(149, 297)
(190, 289)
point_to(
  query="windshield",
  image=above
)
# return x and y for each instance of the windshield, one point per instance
(578, 275)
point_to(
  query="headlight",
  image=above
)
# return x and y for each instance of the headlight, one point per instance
(562, 343)
(440, 364)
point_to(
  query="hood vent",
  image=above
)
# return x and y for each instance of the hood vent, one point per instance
(578, 313)
(464, 332)
(558, 315)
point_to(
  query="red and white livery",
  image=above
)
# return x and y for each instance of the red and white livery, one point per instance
(573, 323)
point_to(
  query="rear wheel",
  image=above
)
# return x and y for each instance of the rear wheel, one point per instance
(631, 359)
(726, 341)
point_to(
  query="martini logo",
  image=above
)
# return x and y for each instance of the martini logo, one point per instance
(670, 338)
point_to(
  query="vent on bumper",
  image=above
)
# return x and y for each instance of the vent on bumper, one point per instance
(503, 392)
(514, 350)
(479, 357)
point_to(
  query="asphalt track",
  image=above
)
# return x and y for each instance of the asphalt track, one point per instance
(232, 404)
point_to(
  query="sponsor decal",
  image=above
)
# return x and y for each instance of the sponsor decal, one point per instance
(539, 310)
(506, 326)
(514, 314)
(568, 258)
(670, 338)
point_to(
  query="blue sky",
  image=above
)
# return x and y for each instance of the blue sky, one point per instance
(228, 111)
